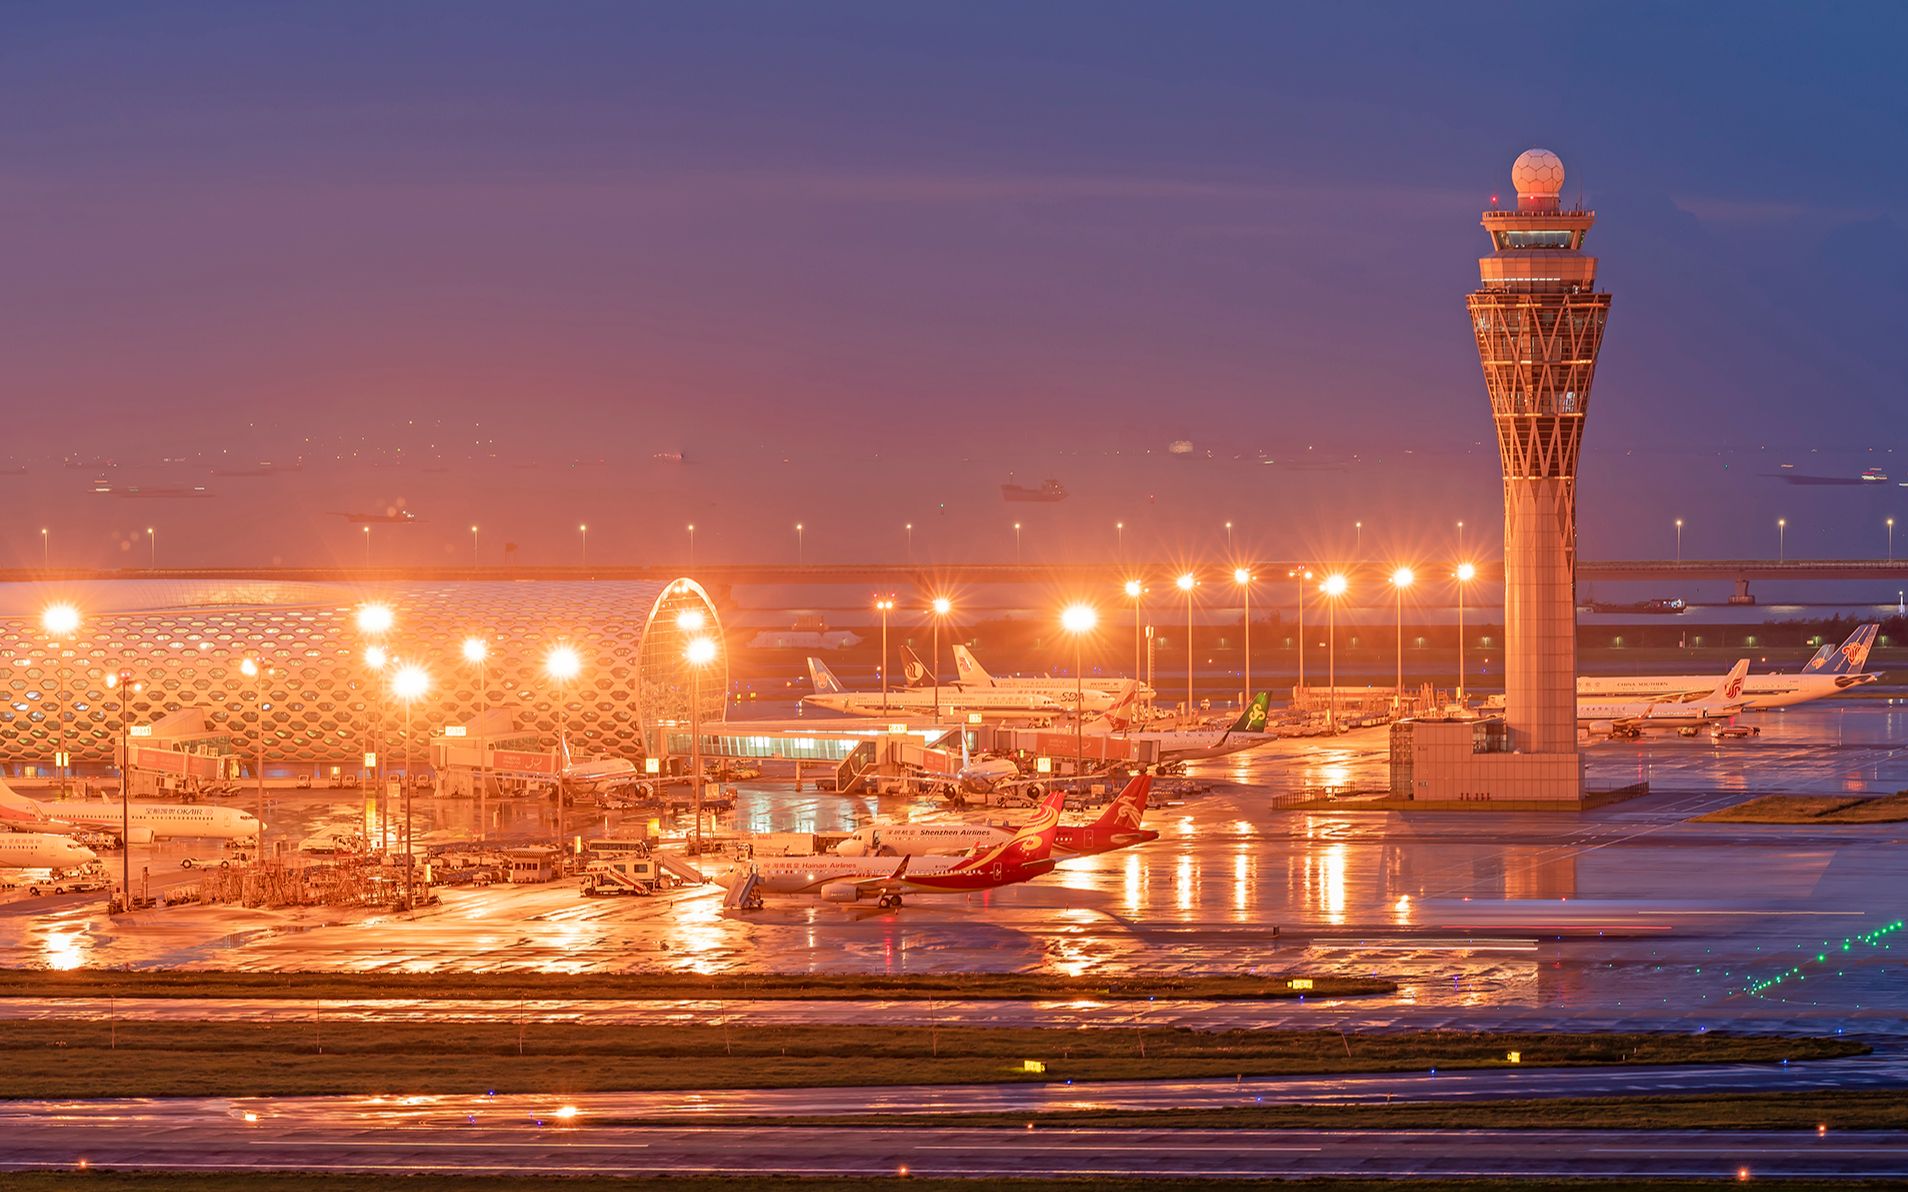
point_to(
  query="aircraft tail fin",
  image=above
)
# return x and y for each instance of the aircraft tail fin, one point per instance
(1819, 661)
(824, 679)
(1128, 808)
(969, 668)
(1252, 720)
(1729, 690)
(1121, 712)
(914, 670)
(1851, 658)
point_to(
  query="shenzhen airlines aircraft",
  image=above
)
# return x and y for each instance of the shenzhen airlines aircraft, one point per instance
(42, 850)
(1096, 695)
(1831, 672)
(1722, 703)
(991, 702)
(148, 821)
(1026, 855)
(1117, 827)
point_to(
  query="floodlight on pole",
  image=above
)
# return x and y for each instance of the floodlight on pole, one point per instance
(941, 606)
(1186, 583)
(62, 621)
(700, 652)
(1243, 577)
(1333, 587)
(1079, 620)
(375, 619)
(409, 684)
(1465, 574)
(1401, 579)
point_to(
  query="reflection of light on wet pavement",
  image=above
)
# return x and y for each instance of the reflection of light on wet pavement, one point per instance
(64, 949)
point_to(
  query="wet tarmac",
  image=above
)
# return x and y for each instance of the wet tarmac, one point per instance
(1631, 914)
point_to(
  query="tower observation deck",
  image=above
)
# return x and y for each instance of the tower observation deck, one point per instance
(1538, 317)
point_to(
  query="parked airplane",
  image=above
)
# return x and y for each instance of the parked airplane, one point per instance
(1183, 745)
(400, 517)
(147, 821)
(1830, 672)
(834, 878)
(1097, 695)
(1117, 827)
(1722, 702)
(992, 703)
(42, 850)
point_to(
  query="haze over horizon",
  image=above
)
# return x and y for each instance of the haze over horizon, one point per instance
(858, 265)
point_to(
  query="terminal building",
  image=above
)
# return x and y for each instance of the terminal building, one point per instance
(184, 643)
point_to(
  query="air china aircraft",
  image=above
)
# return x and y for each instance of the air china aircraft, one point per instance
(147, 821)
(1832, 671)
(1027, 855)
(1608, 716)
(991, 703)
(1117, 827)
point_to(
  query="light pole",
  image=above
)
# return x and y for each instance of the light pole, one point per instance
(1679, 540)
(477, 650)
(152, 548)
(118, 680)
(1304, 576)
(1401, 579)
(1016, 544)
(1782, 539)
(1333, 587)
(46, 549)
(1358, 540)
(1186, 584)
(1243, 577)
(909, 527)
(1891, 540)
(1228, 538)
(583, 533)
(367, 546)
(700, 653)
(1079, 620)
(562, 664)
(1465, 574)
(256, 673)
(374, 622)
(941, 606)
(410, 682)
(798, 544)
(1134, 590)
(884, 606)
(61, 622)
(692, 546)
(1119, 539)
(474, 557)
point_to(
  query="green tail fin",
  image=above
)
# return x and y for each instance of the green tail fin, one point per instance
(1252, 720)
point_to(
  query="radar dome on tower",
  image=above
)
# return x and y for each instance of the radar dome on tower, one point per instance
(1538, 175)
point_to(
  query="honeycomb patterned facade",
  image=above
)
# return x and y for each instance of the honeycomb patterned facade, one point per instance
(183, 642)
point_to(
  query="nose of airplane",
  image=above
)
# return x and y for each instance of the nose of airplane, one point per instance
(854, 846)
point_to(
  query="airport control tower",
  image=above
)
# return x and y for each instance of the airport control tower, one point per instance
(1538, 316)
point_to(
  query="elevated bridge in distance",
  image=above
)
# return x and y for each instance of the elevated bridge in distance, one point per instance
(924, 576)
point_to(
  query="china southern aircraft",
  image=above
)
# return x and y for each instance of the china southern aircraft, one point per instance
(1831, 672)
(991, 703)
(147, 821)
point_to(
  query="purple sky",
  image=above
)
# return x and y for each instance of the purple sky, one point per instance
(860, 263)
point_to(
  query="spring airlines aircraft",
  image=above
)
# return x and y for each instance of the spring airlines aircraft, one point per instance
(1831, 672)
(148, 821)
(1027, 855)
(1117, 827)
(1193, 744)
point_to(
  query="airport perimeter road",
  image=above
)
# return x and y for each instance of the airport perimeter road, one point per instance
(197, 1137)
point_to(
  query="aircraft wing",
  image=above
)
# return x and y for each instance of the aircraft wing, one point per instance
(876, 887)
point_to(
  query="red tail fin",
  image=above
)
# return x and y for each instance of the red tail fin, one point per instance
(1128, 807)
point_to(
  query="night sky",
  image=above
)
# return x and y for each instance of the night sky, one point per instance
(745, 265)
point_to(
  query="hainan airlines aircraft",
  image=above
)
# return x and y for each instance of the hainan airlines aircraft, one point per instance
(991, 703)
(1723, 702)
(1184, 745)
(42, 850)
(147, 821)
(1831, 672)
(1096, 695)
(1117, 827)
(1027, 855)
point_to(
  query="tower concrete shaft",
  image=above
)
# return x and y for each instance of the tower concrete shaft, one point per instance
(1539, 317)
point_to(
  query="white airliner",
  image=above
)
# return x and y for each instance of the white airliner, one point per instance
(1027, 855)
(1095, 695)
(1830, 672)
(992, 703)
(147, 821)
(1722, 702)
(1192, 744)
(42, 850)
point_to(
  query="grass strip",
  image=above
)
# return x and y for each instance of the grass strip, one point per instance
(95, 1180)
(1814, 809)
(1835, 1109)
(54, 1058)
(665, 986)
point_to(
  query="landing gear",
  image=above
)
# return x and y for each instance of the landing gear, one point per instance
(888, 902)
